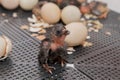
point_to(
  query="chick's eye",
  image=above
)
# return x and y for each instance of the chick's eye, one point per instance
(58, 32)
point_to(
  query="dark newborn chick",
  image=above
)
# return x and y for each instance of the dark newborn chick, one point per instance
(52, 49)
(99, 9)
(64, 3)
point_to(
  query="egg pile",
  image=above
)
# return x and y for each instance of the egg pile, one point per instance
(70, 16)
(77, 19)
(5, 47)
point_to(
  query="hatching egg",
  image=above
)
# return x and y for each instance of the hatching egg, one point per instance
(10, 4)
(50, 13)
(5, 47)
(70, 14)
(28, 4)
(78, 33)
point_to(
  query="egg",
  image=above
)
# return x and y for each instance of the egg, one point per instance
(10, 4)
(50, 13)
(5, 47)
(70, 14)
(28, 4)
(78, 33)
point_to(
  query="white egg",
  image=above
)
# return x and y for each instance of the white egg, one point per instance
(10, 4)
(28, 4)
(78, 33)
(5, 47)
(70, 14)
(50, 13)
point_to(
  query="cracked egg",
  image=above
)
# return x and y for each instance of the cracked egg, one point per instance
(5, 47)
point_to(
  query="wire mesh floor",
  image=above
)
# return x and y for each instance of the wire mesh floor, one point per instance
(99, 62)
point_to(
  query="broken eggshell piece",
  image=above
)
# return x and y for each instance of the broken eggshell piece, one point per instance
(5, 47)
(34, 29)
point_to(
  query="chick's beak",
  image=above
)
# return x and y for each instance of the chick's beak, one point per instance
(67, 32)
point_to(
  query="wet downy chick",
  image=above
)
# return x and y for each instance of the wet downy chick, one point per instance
(64, 3)
(98, 8)
(52, 49)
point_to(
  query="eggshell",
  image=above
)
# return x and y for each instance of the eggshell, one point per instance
(78, 33)
(50, 13)
(9, 45)
(28, 4)
(2, 46)
(5, 47)
(70, 14)
(10, 4)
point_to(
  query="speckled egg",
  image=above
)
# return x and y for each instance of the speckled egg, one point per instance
(5, 47)
(78, 33)
(28, 4)
(10, 4)
(50, 13)
(70, 14)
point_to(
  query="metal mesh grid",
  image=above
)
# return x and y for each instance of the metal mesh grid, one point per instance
(14, 34)
(100, 40)
(97, 72)
(99, 62)
(22, 63)
(104, 62)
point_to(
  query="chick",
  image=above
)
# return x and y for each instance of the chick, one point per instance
(98, 8)
(52, 49)
(64, 3)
